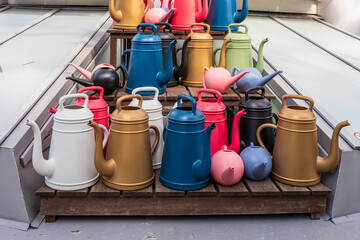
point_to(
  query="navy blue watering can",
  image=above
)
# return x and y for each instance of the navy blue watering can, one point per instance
(222, 13)
(186, 161)
(146, 66)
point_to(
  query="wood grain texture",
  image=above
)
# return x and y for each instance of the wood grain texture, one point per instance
(230, 95)
(145, 192)
(239, 189)
(45, 191)
(162, 191)
(209, 190)
(320, 189)
(292, 190)
(173, 92)
(262, 188)
(101, 190)
(77, 193)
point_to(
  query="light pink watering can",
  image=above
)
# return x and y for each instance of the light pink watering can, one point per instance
(227, 167)
(89, 74)
(155, 15)
(219, 79)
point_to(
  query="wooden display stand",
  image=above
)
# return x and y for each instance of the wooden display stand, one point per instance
(246, 197)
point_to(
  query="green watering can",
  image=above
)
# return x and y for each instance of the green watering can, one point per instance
(238, 52)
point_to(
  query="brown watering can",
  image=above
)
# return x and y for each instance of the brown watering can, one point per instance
(127, 14)
(129, 164)
(200, 55)
(295, 157)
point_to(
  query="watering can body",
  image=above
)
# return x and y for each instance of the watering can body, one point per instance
(128, 163)
(127, 14)
(71, 159)
(222, 13)
(259, 111)
(154, 109)
(146, 66)
(295, 156)
(186, 159)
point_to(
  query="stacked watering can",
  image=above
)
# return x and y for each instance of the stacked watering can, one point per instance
(127, 14)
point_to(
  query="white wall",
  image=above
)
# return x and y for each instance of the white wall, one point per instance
(344, 14)
(287, 6)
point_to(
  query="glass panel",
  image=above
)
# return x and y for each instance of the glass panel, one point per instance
(29, 61)
(337, 42)
(13, 19)
(332, 84)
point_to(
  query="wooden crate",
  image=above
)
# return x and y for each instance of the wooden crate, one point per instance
(246, 197)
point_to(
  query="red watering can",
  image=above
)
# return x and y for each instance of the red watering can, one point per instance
(215, 112)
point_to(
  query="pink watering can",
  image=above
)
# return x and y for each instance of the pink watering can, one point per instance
(219, 78)
(155, 15)
(227, 167)
(215, 112)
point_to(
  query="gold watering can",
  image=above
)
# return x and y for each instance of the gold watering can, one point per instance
(127, 14)
(129, 164)
(295, 158)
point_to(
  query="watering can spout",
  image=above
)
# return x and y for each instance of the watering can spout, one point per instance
(41, 166)
(222, 53)
(179, 71)
(267, 78)
(260, 60)
(328, 163)
(235, 142)
(104, 167)
(201, 168)
(83, 71)
(115, 14)
(234, 79)
(83, 82)
(167, 16)
(259, 170)
(239, 17)
(165, 76)
(202, 13)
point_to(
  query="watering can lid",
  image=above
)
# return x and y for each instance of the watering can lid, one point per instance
(296, 112)
(237, 36)
(186, 113)
(95, 103)
(142, 37)
(210, 105)
(73, 112)
(129, 113)
(150, 102)
(257, 101)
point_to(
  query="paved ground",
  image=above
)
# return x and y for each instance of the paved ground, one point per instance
(283, 227)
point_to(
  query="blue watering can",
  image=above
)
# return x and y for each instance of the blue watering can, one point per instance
(146, 66)
(222, 13)
(186, 161)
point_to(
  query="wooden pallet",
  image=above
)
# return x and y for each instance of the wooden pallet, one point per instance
(246, 197)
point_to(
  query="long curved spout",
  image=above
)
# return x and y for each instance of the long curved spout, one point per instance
(41, 166)
(234, 79)
(235, 141)
(328, 163)
(222, 53)
(201, 168)
(115, 14)
(202, 13)
(165, 76)
(239, 17)
(264, 80)
(179, 71)
(104, 167)
(260, 59)
(83, 71)
(85, 83)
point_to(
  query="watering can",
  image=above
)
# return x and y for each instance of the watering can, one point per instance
(71, 160)
(188, 12)
(238, 53)
(296, 160)
(200, 55)
(166, 38)
(153, 108)
(222, 13)
(127, 14)
(128, 165)
(259, 111)
(146, 66)
(215, 112)
(186, 159)
(103, 75)
(154, 15)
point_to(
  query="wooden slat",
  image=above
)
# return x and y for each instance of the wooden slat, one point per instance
(320, 189)
(242, 95)
(101, 190)
(230, 95)
(76, 193)
(210, 190)
(292, 190)
(173, 92)
(238, 189)
(262, 188)
(45, 191)
(145, 192)
(162, 191)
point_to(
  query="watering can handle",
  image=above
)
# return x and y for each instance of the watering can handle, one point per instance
(200, 24)
(75, 95)
(258, 136)
(254, 90)
(128, 97)
(141, 89)
(215, 92)
(177, 50)
(167, 26)
(215, 51)
(124, 74)
(238, 25)
(94, 88)
(186, 97)
(305, 98)
(106, 135)
(147, 6)
(156, 142)
(150, 25)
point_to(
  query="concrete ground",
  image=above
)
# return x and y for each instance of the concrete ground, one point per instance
(277, 227)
